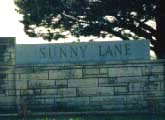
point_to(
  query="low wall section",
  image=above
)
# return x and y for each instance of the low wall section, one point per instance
(121, 87)
(7, 69)
(116, 87)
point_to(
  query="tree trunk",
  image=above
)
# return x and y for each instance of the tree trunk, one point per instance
(160, 26)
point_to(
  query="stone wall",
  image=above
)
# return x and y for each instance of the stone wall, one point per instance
(7, 51)
(116, 87)
(7, 68)
(119, 87)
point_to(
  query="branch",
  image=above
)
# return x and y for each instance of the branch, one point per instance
(73, 18)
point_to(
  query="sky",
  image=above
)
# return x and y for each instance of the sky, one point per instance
(11, 27)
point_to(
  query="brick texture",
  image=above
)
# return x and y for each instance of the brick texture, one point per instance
(125, 87)
(117, 87)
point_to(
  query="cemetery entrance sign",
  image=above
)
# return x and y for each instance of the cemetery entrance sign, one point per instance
(83, 52)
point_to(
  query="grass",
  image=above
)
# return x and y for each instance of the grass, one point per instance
(94, 117)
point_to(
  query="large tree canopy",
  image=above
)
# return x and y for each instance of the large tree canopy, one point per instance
(127, 19)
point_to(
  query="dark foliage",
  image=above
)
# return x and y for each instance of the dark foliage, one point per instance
(92, 17)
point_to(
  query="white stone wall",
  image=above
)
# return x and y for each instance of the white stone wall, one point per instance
(7, 68)
(118, 87)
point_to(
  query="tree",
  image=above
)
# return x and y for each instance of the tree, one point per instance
(160, 37)
(127, 19)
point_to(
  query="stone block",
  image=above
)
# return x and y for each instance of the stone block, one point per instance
(74, 101)
(136, 87)
(114, 108)
(24, 70)
(10, 92)
(128, 71)
(157, 68)
(146, 70)
(34, 76)
(91, 82)
(95, 72)
(107, 100)
(7, 100)
(10, 76)
(11, 49)
(49, 101)
(154, 93)
(62, 83)
(41, 84)
(91, 71)
(42, 68)
(48, 93)
(6, 54)
(75, 73)
(2, 89)
(105, 82)
(153, 69)
(17, 76)
(7, 41)
(12, 55)
(12, 62)
(61, 92)
(43, 97)
(96, 91)
(134, 98)
(65, 74)
(21, 84)
(27, 92)
(157, 77)
(3, 76)
(121, 90)
(5, 68)
(132, 79)
(103, 70)
(10, 84)
(7, 60)
(152, 86)
(162, 85)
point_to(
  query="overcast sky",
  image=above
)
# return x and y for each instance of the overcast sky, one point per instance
(10, 25)
(9, 20)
